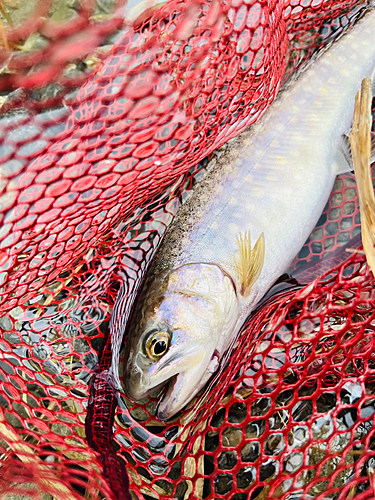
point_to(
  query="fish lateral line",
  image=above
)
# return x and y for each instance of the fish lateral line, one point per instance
(250, 188)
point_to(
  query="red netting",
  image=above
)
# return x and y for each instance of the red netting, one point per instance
(91, 177)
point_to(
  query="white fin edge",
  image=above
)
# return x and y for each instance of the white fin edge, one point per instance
(344, 158)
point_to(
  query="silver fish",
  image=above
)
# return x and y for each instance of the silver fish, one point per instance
(272, 183)
(137, 10)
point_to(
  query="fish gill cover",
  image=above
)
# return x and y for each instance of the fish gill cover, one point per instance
(102, 127)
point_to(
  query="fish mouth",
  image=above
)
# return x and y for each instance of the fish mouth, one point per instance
(163, 412)
(139, 394)
(139, 384)
(181, 385)
(171, 401)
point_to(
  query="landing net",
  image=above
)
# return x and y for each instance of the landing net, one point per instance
(102, 129)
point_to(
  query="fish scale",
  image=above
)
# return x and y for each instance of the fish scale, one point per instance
(275, 180)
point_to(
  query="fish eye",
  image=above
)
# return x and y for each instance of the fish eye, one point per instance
(157, 344)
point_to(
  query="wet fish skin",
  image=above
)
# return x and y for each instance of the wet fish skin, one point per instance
(136, 10)
(199, 298)
(275, 179)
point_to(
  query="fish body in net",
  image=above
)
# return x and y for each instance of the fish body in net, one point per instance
(271, 184)
(138, 10)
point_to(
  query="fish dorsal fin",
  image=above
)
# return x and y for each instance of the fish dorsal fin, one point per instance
(360, 140)
(249, 262)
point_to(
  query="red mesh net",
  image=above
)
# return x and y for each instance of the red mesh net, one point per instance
(91, 176)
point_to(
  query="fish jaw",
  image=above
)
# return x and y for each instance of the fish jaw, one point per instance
(199, 310)
(182, 389)
(179, 392)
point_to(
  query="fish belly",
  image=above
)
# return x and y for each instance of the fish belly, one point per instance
(286, 164)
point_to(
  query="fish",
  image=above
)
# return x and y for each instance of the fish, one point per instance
(136, 11)
(243, 226)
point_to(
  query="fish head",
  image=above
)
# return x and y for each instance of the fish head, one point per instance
(179, 336)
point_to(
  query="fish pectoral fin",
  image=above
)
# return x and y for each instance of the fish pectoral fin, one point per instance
(344, 159)
(249, 262)
(344, 156)
(360, 140)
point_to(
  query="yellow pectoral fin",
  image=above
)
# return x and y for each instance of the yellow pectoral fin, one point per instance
(249, 262)
(360, 141)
